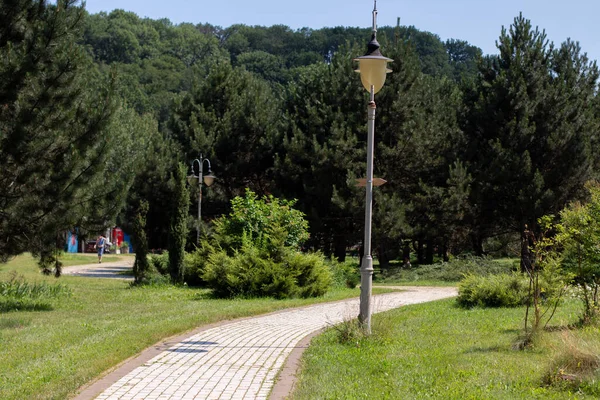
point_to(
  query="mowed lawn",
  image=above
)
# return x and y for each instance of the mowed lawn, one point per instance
(439, 351)
(50, 354)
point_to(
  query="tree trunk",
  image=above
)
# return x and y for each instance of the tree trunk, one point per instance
(382, 256)
(477, 242)
(429, 252)
(444, 251)
(340, 248)
(420, 253)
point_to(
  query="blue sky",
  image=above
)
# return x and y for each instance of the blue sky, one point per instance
(477, 21)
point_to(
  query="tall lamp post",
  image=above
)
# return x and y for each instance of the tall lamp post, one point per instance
(208, 180)
(373, 69)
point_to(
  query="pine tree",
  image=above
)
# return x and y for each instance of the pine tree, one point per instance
(178, 224)
(531, 128)
(140, 243)
(68, 159)
(417, 142)
(52, 137)
(231, 116)
(322, 154)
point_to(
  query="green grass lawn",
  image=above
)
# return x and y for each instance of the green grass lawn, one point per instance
(50, 354)
(439, 351)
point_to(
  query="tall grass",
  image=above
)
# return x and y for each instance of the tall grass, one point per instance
(17, 294)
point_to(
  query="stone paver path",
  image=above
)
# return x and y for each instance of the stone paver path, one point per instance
(240, 360)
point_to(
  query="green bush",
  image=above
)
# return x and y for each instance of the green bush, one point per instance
(503, 290)
(344, 274)
(254, 252)
(159, 263)
(250, 273)
(194, 263)
(262, 220)
(313, 275)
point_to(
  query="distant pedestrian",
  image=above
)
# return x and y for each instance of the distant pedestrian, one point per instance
(100, 242)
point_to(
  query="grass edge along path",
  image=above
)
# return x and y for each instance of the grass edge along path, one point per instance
(437, 350)
(52, 353)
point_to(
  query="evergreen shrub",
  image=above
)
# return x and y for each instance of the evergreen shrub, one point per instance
(159, 263)
(194, 263)
(503, 290)
(250, 272)
(255, 251)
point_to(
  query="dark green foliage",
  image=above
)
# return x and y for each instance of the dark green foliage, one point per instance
(178, 225)
(151, 184)
(530, 132)
(53, 141)
(417, 145)
(69, 151)
(501, 290)
(463, 58)
(140, 243)
(322, 151)
(282, 112)
(251, 273)
(232, 116)
(195, 263)
(159, 263)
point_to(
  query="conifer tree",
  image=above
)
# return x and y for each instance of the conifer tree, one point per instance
(321, 155)
(531, 128)
(417, 143)
(66, 162)
(231, 116)
(178, 228)
(140, 242)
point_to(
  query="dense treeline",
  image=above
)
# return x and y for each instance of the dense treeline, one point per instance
(472, 146)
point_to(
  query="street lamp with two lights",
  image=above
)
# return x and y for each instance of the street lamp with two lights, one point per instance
(208, 180)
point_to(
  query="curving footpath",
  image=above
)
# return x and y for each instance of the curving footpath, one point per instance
(239, 359)
(113, 269)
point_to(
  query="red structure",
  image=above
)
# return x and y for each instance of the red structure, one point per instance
(116, 236)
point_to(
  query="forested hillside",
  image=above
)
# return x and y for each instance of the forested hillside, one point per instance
(472, 146)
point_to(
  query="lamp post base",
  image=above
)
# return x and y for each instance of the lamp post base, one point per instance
(366, 278)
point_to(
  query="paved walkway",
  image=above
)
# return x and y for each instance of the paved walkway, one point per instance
(239, 359)
(113, 269)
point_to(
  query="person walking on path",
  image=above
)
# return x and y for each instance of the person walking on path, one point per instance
(100, 242)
